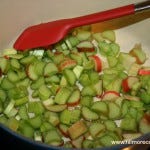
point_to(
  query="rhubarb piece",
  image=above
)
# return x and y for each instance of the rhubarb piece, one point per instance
(128, 83)
(70, 76)
(144, 125)
(89, 114)
(128, 124)
(53, 138)
(138, 53)
(50, 69)
(100, 107)
(74, 98)
(77, 143)
(64, 129)
(110, 95)
(85, 46)
(31, 73)
(97, 62)
(67, 63)
(56, 108)
(109, 34)
(96, 128)
(144, 71)
(62, 95)
(114, 111)
(77, 129)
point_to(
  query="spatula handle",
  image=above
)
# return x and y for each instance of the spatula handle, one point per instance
(109, 14)
(142, 6)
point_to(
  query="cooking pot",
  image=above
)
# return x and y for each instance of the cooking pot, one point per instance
(17, 15)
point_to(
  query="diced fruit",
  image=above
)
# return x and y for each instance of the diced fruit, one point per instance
(39, 67)
(144, 125)
(96, 128)
(98, 37)
(134, 69)
(9, 51)
(100, 107)
(89, 114)
(114, 111)
(110, 125)
(128, 124)
(70, 76)
(15, 63)
(77, 129)
(26, 130)
(2, 95)
(130, 97)
(36, 108)
(97, 62)
(83, 35)
(6, 84)
(81, 92)
(63, 82)
(115, 48)
(74, 98)
(50, 69)
(138, 53)
(0, 72)
(75, 115)
(88, 143)
(58, 57)
(144, 71)
(13, 124)
(128, 83)
(46, 126)
(110, 95)
(21, 101)
(112, 61)
(109, 34)
(85, 46)
(56, 108)
(77, 71)
(52, 118)
(84, 79)
(4, 65)
(77, 143)
(126, 60)
(62, 95)
(67, 63)
(86, 101)
(88, 91)
(77, 57)
(35, 122)
(106, 140)
(13, 76)
(31, 72)
(52, 137)
(28, 60)
(73, 40)
(44, 92)
(98, 88)
(64, 129)
(65, 117)
(104, 48)
(145, 97)
(39, 82)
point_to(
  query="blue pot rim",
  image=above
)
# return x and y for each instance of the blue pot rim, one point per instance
(46, 146)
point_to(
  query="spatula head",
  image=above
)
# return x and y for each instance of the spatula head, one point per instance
(42, 35)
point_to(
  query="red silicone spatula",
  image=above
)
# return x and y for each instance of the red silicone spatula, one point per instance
(45, 34)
